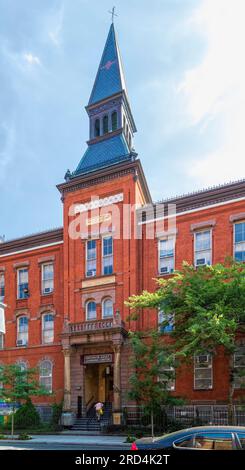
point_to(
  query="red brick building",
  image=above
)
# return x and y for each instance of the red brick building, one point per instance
(65, 288)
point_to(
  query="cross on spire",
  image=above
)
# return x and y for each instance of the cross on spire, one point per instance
(113, 14)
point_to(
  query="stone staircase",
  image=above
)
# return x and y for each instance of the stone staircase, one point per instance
(90, 424)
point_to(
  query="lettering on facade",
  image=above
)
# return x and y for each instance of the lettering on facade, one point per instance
(97, 203)
(96, 358)
(98, 219)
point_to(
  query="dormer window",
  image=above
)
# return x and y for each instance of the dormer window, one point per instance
(105, 125)
(114, 121)
(97, 128)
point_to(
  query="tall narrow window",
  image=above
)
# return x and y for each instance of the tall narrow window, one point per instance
(165, 322)
(91, 258)
(47, 278)
(97, 128)
(239, 368)
(48, 328)
(22, 283)
(2, 286)
(105, 124)
(22, 331)
(45, 377)
(167, 377)
(203, 372)
(239, 241)
(114, 121)
(166, 255)
(107, 255)
(202, 248)
(130, 141)
(1, 341)
(107, 308)
(91, 310)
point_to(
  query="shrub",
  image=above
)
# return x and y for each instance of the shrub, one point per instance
(24, 436)
(27, 416)
(56, 413)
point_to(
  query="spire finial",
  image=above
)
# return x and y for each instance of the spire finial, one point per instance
(113, 14)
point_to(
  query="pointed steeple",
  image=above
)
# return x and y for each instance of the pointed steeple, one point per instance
(112, 124)
(110, 77)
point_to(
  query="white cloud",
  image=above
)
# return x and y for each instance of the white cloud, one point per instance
(55, 32)
(31, 59)
(215, 90)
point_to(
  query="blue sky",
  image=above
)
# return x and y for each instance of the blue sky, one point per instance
(185, 74)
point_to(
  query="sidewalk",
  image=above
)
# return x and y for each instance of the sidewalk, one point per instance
(69, 440)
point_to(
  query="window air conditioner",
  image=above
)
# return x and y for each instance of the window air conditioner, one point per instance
(164, 270)
(201, 261)
(21, 342)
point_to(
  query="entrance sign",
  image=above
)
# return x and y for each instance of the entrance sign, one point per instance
(96, 358)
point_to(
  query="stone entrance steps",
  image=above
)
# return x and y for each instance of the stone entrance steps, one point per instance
(90, 423)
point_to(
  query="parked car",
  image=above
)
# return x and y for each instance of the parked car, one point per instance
(198, 438)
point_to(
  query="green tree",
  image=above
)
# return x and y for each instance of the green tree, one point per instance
(18, 385)
(151, 364)
(208, 304)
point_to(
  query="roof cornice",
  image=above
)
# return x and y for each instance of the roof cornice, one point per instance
(107, 174)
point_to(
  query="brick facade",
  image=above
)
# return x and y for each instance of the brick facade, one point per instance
(135, 266)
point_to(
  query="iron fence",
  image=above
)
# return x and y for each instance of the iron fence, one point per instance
(185, 416)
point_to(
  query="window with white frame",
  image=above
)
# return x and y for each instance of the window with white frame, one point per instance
(239, 241)
(45, 375)
(22, 331)
(166, 255)
(203, 248)
(165, 322)
(107, 308)
(203, 372)
(1, 370)
(91, 310)
(2, 286)
(91, 258)
(167, 377)
(107, 255)
(47, 278)
(22, 365)
(1, 341)
(22, 283)
(47, 328)
(239, 368)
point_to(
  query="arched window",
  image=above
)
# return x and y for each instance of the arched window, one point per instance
(97, 128)
(22, 331)
(91, 310)
(105, 124)
(45, 375)
(22, 365)
(107, 308)
(114, 121)
(48, 328)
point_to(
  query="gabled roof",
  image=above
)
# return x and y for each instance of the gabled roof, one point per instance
(110, 77)
(103, 153)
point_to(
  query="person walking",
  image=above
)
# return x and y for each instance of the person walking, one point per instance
(99, 410)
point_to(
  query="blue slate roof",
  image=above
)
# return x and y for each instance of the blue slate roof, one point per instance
(104, 153)
(110, 77)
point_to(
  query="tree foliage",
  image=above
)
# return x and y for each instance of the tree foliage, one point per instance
(208, 304)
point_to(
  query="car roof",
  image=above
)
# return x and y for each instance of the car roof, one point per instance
(194, 430)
